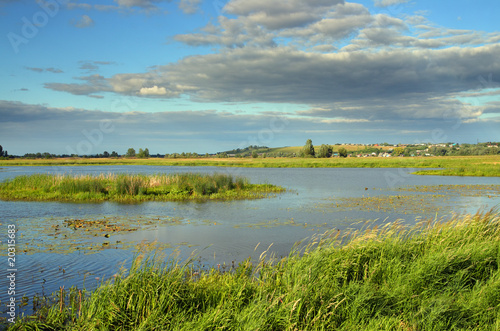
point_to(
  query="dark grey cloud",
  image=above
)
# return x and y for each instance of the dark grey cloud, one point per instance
(94, 84)
(280, 14)
(430, 79)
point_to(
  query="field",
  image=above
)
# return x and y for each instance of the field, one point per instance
(433, 276)
(132, 188)
(450, 165)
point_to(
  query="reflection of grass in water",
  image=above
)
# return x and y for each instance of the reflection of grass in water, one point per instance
(433, 276)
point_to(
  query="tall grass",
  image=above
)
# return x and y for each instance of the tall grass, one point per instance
(433, 276)
(123, 187)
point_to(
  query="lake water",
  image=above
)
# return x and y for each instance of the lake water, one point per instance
(317, 200)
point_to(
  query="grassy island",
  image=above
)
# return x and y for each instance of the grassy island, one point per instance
(132, 188)
(434, 276)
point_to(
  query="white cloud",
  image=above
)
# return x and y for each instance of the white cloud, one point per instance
(155, 90)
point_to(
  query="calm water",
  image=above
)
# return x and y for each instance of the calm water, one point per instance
(221, 232)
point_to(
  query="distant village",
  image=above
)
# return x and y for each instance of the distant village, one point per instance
(323, 151)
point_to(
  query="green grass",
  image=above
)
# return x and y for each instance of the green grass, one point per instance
(132, 188)
(433, 276)
(486, 165)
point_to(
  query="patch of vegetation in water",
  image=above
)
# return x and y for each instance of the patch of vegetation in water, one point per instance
(133, 188)
(422, 199)
(90, 235)
(432, 276)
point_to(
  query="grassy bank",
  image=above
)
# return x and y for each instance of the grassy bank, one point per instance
(452, 165)
(434, 276)
(131, 188)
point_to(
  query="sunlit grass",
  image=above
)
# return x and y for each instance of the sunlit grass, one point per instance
(432, 276)
(486, 165)
(132, 188)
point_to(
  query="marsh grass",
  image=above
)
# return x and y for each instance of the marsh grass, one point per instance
(132, 188)
(484, 165)
(432, 276)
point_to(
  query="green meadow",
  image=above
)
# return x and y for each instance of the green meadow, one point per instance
(435, 275)
(484, 165)
(132, 188)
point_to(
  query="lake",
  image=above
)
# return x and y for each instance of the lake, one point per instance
(52, 251)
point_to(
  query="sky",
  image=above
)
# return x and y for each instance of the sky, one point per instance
(84, 77)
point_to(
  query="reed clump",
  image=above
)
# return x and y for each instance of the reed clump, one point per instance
(432, 276)
(132, 188)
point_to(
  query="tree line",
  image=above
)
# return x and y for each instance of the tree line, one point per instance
(307, 151)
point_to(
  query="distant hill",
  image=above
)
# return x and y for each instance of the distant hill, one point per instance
(288, 150)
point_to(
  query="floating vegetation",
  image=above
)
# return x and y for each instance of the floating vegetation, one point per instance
(423, 200)
(65, 236)
(475, 190)
(277, 223)
(432, 276)
(133, 188)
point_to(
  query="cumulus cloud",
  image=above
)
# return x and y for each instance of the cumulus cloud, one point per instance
(347, 64)
(280, 14)
(155, 90)
(286, 75)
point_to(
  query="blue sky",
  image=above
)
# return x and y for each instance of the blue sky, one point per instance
(207, 76)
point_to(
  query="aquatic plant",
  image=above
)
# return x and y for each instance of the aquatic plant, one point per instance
(132, 188)
(432, 276)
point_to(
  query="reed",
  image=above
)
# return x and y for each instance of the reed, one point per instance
(433, 276)
(132, 188)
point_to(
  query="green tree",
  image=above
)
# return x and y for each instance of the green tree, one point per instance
(114, 154)
(308, 149)
(1, 151)
(130, 152)
(255, 154)
(342, 152)
(143, 153)
(325, 151)
(398, 151)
